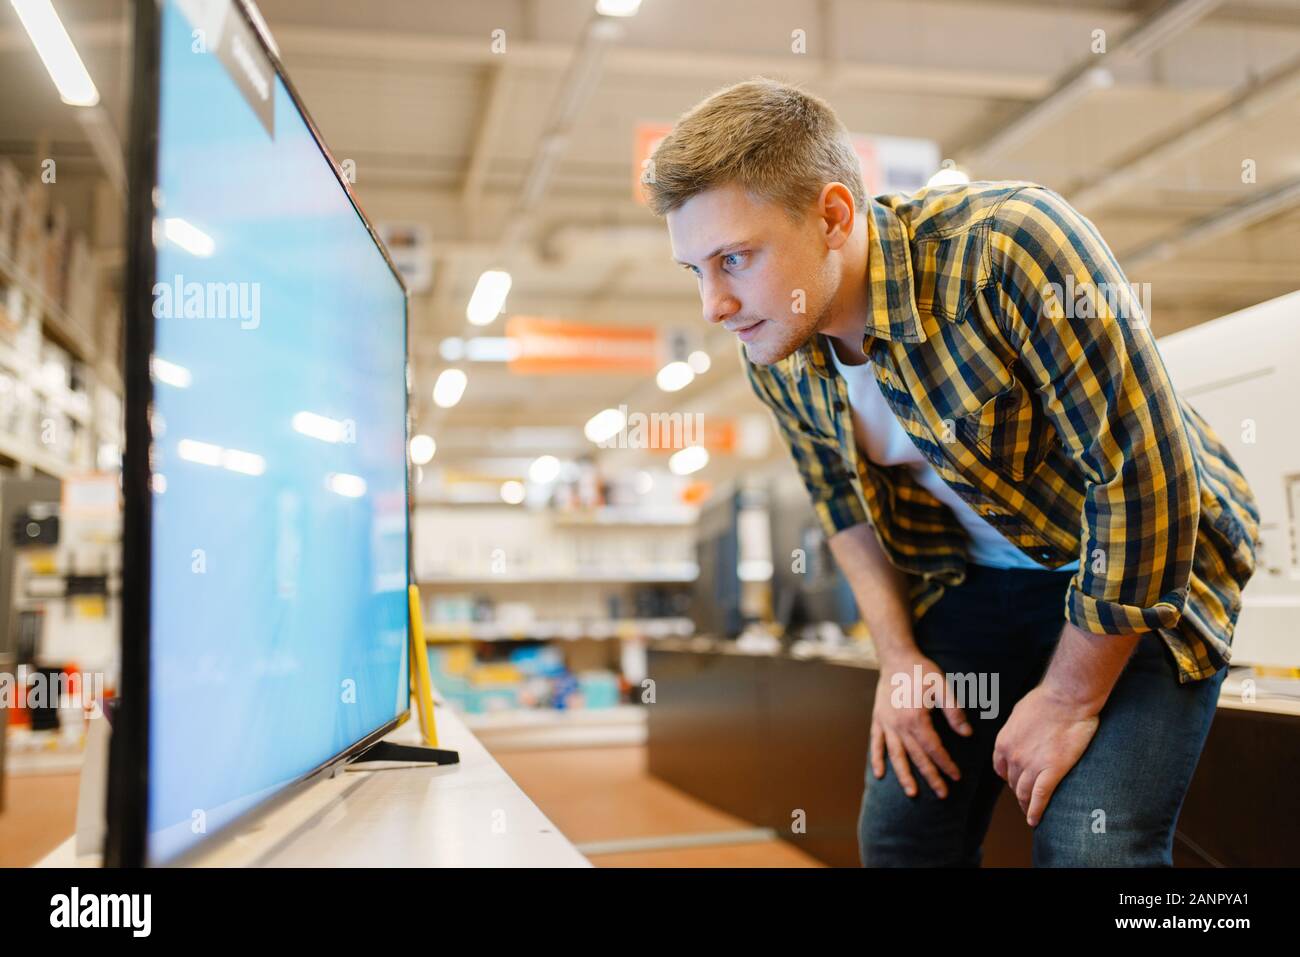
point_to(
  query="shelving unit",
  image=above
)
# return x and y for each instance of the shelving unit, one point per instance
(524, 607)
(60, 397)
(680, 573)
(597, 629)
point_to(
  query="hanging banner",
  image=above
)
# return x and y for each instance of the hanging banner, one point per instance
(543, 346)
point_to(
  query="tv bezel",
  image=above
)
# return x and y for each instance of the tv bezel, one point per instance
(127, 826)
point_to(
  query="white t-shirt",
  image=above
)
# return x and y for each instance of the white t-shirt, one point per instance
(884, 441)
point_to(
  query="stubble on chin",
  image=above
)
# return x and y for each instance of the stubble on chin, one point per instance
(777, 344)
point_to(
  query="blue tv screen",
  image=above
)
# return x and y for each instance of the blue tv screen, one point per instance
(278, 568)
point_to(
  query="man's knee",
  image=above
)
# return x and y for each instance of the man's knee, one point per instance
(895, 830)
(1087, 842)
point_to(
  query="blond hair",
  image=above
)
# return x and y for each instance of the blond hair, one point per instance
(774, 140)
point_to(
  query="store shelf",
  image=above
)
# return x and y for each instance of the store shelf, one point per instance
(65, 331)
(54, 398)
(560, 630)
(34, 455)
(679, 572)
(625, 515)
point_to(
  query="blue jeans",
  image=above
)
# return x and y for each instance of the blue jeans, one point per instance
(1117, 807)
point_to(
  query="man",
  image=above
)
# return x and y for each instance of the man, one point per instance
(1004, 471)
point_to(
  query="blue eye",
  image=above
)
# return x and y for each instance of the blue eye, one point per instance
(736, 256)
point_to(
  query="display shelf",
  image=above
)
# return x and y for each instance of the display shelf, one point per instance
(451, 632)
(56, 326)
(35, 456)
(59, 326)
(678, 572)
(625, 515)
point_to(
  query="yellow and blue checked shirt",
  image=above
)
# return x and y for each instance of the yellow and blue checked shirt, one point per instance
(1005, 338)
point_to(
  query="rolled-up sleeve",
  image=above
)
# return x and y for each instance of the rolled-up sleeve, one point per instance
(1082, 338)
(825, 474)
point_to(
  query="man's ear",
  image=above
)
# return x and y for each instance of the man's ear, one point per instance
(836, 214)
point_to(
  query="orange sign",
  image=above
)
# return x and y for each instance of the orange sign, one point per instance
(667, 434)
(544, 346)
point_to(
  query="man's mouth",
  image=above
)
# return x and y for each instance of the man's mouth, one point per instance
(749, 332)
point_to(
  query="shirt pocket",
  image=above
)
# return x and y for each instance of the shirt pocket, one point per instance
(1008, 432)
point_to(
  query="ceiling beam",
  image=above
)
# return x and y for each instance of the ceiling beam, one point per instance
(1090, 73)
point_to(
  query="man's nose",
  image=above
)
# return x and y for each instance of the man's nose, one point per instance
(719, 304)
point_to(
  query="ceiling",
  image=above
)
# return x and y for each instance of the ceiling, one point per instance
(523, 158)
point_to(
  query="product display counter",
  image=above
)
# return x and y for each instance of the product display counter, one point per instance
(469, 814)
(779, 740)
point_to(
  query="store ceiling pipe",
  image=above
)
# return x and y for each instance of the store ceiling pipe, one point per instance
(1252, 100)
(1211, 227)
(1093, 72)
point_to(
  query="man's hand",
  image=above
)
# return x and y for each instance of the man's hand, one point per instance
(908, 732)
(1045, 735)
(1049, 728)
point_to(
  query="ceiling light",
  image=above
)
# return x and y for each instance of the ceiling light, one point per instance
(948, 176)
(422, 448)
(544, 470)
(675, 376)
(489, 297)
(618, 8)
(449, 388)
(57, 52)
(688, 460)
(604, 425)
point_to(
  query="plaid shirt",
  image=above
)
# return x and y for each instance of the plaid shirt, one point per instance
(1009, 345)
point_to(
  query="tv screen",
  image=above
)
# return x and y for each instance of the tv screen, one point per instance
(270, 514)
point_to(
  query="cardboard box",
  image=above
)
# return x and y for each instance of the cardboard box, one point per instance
(11, 200)
(54, 256)
(29, 242)
(79, 299)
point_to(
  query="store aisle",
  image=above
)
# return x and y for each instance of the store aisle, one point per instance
(606, 803)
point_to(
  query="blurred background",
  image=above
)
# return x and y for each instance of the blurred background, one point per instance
(595, 482)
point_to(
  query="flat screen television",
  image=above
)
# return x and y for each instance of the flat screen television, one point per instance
(265, 478)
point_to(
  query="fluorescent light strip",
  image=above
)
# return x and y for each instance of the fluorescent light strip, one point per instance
(349, 486)
(189, 237)
(319, 427)
(169, 373)
(57, 52)
(233, 460)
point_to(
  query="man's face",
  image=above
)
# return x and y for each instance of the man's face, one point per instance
(764, 277)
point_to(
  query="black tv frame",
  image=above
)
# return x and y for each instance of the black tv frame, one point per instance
(126, 838)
